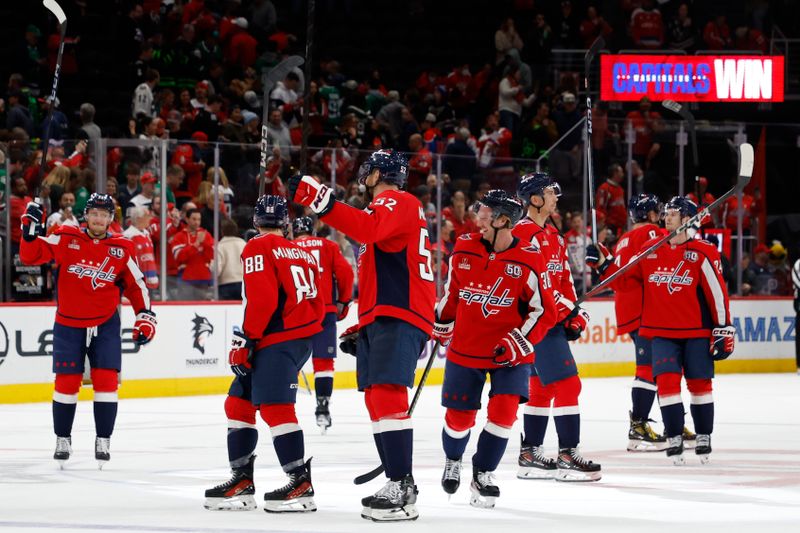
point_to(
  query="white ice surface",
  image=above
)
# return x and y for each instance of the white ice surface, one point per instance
(165, 452)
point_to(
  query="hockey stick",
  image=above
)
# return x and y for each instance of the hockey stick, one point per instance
(746, 159)
(277, 73)
(375, 472)
(310, 17)
(587, 63)
(56, 10)
(305, 381)
(686, 115)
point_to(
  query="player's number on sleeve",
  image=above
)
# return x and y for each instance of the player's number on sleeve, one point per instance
(253, 263)
(425, 270)
(304, 283)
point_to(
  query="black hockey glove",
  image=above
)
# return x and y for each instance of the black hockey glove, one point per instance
(33, 221)
(598, 258)
(575, 323)
(349, 340)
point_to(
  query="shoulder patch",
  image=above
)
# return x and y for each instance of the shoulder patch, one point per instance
(465, 237)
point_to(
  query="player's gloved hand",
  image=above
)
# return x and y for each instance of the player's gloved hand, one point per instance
(598, 257)
(722, 342)
(240, 353)
(694, 227)
(32, 221)
(144, 329)
(307, 191)
(443, 332)
(349, 340)
(342, 308)
(575, 323)
(512, 348)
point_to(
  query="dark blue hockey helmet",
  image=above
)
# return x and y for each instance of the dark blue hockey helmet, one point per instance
(535, 183)
(686, 207)
(99, 201)
(271, 212)
(392, 165)
(302, 226)
(501, 203)
(641, 204)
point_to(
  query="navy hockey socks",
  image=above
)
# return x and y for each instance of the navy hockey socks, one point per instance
(491, 446)
(287, 437)
(454, 443)
(63, 416)
(535, 425)
(669, 399)
(643, 394)
(398, 446)
(702, 406)
(105, 415)
(568, 427)
(323, 386)
(241, 444)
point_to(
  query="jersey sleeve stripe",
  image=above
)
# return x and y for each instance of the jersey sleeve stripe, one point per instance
(53, 239)
(446, 295)
(535, 304)
(717, 293)
(138, 277)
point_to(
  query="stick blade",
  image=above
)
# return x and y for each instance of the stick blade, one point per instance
(746, 161)
(56, 10)
(672, 105)
(369, 476)
(597, 45)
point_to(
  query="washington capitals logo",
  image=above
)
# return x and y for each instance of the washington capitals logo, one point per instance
(486, 297)
(673, 279)
(202, 330)
(97, 274)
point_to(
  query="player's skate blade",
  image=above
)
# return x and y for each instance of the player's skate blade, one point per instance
(572, 467)
(484, 490)
(242, 502)
(297, 496)
(406, 512)
(675, 450)
(102, 453)
(642, 437)
(533, 464)
(63, 450)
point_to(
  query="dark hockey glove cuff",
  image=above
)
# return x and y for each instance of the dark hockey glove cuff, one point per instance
(349, 340)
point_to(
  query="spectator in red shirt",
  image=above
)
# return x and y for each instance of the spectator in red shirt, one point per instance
(193, 248)
(750, 39)
(593, 26)
(702, 198)
(19, 200)
(193, 168)
(717, 33)
(643, 121)
(610, 199)
(458, 215)
(647, 26)
(241, 48)
(420, 162)
(730, 212)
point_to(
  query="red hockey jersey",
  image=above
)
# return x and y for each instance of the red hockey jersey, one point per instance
(281, 299)
(488, 294)
(684, 293)
(91, 273)
(194, 264)
(554, 249)
(628, 296)
(332, 266)
(395, 277)
(610, 201)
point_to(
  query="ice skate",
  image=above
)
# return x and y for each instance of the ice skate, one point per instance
(573, 467)
(451, 478)
(484, 490)
(102, 452)
(297, 496)
(237, 494)
(394, 502)
(675, 450)
(703, 448)
(323, 414)
(63, 450)
(642, 438)
(689, 439)
(533, 464)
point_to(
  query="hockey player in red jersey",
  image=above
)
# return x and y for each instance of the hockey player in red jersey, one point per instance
(554, 378)
(644, 212)
(93, 266)
(337, 297)
(396, 301)
(282, 311)
(495, 307)
(685, 312)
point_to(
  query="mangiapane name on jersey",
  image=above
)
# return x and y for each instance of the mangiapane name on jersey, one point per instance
(486, 297)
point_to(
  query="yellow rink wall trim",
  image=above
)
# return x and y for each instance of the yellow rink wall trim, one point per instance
(154, 388)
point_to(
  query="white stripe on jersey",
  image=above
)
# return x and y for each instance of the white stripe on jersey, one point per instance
(446, 295)
(535, 303)
(176, 249)
(139, 277)
(52, 239)
(717, 293)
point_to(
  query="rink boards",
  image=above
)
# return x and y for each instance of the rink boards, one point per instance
(189, 353)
